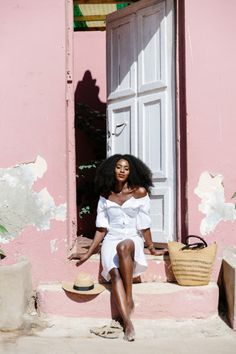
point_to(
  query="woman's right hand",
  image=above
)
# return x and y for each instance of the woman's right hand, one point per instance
(81, 258)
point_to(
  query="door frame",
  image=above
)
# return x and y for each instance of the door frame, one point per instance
(70, 127)
(180, 126)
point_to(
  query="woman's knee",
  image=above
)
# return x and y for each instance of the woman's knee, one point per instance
(125, 248)
(115, 275)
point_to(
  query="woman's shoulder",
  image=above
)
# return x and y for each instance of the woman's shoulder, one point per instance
(104, 196)
(140, 192)
(102, 200)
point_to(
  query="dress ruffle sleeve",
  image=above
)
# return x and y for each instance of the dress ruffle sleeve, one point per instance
(143, 217)
(102, 217)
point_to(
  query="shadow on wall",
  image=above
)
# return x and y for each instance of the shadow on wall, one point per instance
(87, 93)
(90, 142)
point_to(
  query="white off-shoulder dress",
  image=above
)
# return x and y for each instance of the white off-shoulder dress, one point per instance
(123, 222)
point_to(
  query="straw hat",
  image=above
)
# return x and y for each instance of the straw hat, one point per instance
(83, 284)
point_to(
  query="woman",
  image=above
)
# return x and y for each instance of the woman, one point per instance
(123, 182)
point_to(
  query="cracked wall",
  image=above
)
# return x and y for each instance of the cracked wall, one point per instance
(20, 205)
(211, 191)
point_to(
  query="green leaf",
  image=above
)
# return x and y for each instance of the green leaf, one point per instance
(87, 167)
(2, 254)
(3, 230)
(83, 211)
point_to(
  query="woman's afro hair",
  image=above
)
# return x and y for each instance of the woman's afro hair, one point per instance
(140, 174)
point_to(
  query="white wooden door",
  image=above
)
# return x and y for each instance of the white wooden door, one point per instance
(141, 99)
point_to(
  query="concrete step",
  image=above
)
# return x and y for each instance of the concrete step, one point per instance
(152, 301)
(159, 269)
(169, 329)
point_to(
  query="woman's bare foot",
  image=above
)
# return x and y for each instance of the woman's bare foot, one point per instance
(129, 332)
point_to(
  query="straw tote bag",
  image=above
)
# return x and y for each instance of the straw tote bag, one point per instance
(192, 263)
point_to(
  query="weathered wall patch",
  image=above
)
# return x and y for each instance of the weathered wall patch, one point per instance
(211, 191)
(20, 205)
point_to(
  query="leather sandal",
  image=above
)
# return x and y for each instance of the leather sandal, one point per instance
(106, 332)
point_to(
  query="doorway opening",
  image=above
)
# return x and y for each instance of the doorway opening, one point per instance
(141, 99)
(90, 123)
(90, 103)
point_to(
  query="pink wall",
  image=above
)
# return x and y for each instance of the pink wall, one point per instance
(90, 54)
(210, 94)
(33, 117)
(34, 121)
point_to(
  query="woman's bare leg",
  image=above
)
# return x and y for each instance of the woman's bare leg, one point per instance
(125, 252)
(118, 291)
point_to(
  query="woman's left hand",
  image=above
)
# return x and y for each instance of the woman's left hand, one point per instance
(150, 246)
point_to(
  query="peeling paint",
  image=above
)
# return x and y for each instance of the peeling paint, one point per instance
(53, 245)
(211, 191)
(20, 205)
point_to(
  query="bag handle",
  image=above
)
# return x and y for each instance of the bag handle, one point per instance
(195, 245)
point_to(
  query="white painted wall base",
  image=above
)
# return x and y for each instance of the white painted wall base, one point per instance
(15, 292)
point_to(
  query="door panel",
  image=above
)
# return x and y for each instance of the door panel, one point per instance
(122, 128)
(160, 213)
(141, 99)
(120, 61)
(152, 133)
(151, 47)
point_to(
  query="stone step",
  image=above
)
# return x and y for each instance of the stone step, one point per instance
(159, 269)
(165, 329)
(152, 301)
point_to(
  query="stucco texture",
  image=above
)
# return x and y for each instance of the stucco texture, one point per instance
(210, 95)
(33, 122)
